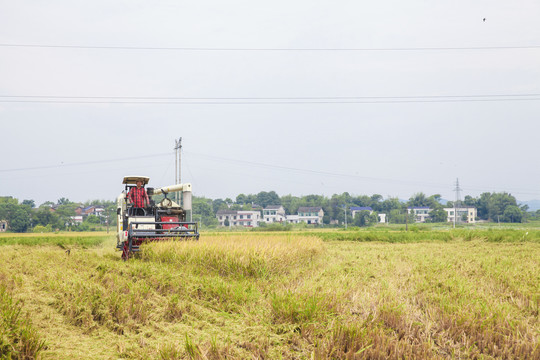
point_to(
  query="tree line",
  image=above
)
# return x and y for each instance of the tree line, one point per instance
(498, 207)
(24, 216)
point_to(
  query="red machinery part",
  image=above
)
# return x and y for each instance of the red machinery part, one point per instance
(169, 219)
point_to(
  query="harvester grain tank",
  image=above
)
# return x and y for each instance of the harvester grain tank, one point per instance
(165, 220)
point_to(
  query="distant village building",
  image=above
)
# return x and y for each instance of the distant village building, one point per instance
(311, 215)
(76, 220)
(245, 218)
(468, 213)
(421, 213)
(292, 219)
(225, 217)
(248, 218)
(274, 213)
(356, 209)
(271, 214)
(91, 210)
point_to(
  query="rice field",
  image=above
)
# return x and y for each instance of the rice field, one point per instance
(289, 295)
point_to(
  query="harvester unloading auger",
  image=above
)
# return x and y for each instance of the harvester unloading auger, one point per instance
(166, 220)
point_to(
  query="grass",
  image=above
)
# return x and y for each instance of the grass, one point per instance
(284, 295)
(61, 239)
(428, 234)
(18, 338)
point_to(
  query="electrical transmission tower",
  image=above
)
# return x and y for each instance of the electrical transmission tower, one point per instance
(178, 164)
(457, 204)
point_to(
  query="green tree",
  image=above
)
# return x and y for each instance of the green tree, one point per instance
(219, 204)
(438, 215)
(267, 198)
(44, 216)
(202, 210)
(17, 216)
(63, 201)
(362, 218)
(470, 201)
(512, 213)
(30, 203)
(19, 220)
(8, 200)
(65, 213)
(390, 204)
(241, 199)
(419, 199)
(376, 202)
(491, 206)
(92, 219)
(290, 203)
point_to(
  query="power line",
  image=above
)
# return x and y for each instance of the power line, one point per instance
(90, 47)
(254, 164)
(271, 102)
(266, 98)
(83, 163)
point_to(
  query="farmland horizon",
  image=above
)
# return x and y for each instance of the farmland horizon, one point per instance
(533, 204)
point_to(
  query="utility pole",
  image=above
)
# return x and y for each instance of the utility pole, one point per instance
(178, 164)
(345, 210)
(457, 189)
(407, 218)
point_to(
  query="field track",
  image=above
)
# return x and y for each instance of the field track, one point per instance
(272, 295)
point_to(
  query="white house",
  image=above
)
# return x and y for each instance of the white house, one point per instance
(356, 209)
(292, 219)
(226, 216)
(310, 215)
(76, 220)
(421, 213)
(274, 213)
(246, 218)
(469, 212)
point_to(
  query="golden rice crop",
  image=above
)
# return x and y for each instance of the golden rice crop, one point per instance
(236, 255)
(269, 295)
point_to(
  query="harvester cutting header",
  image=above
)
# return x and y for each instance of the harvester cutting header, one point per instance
(141, 220)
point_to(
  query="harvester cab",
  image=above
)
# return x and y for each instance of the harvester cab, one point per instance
(162, 219)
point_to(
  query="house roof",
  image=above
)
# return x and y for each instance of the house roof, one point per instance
(459, 208)
(272, 207)
(226, 212)
(309, 209)
(360, 208)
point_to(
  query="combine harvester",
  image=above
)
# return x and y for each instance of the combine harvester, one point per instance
(165, 220)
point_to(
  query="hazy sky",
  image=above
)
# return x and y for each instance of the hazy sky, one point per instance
(407, 101)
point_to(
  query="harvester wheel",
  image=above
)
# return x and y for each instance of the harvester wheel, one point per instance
(125, 251)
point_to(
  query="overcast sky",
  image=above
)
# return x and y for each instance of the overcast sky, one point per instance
(394, 97)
